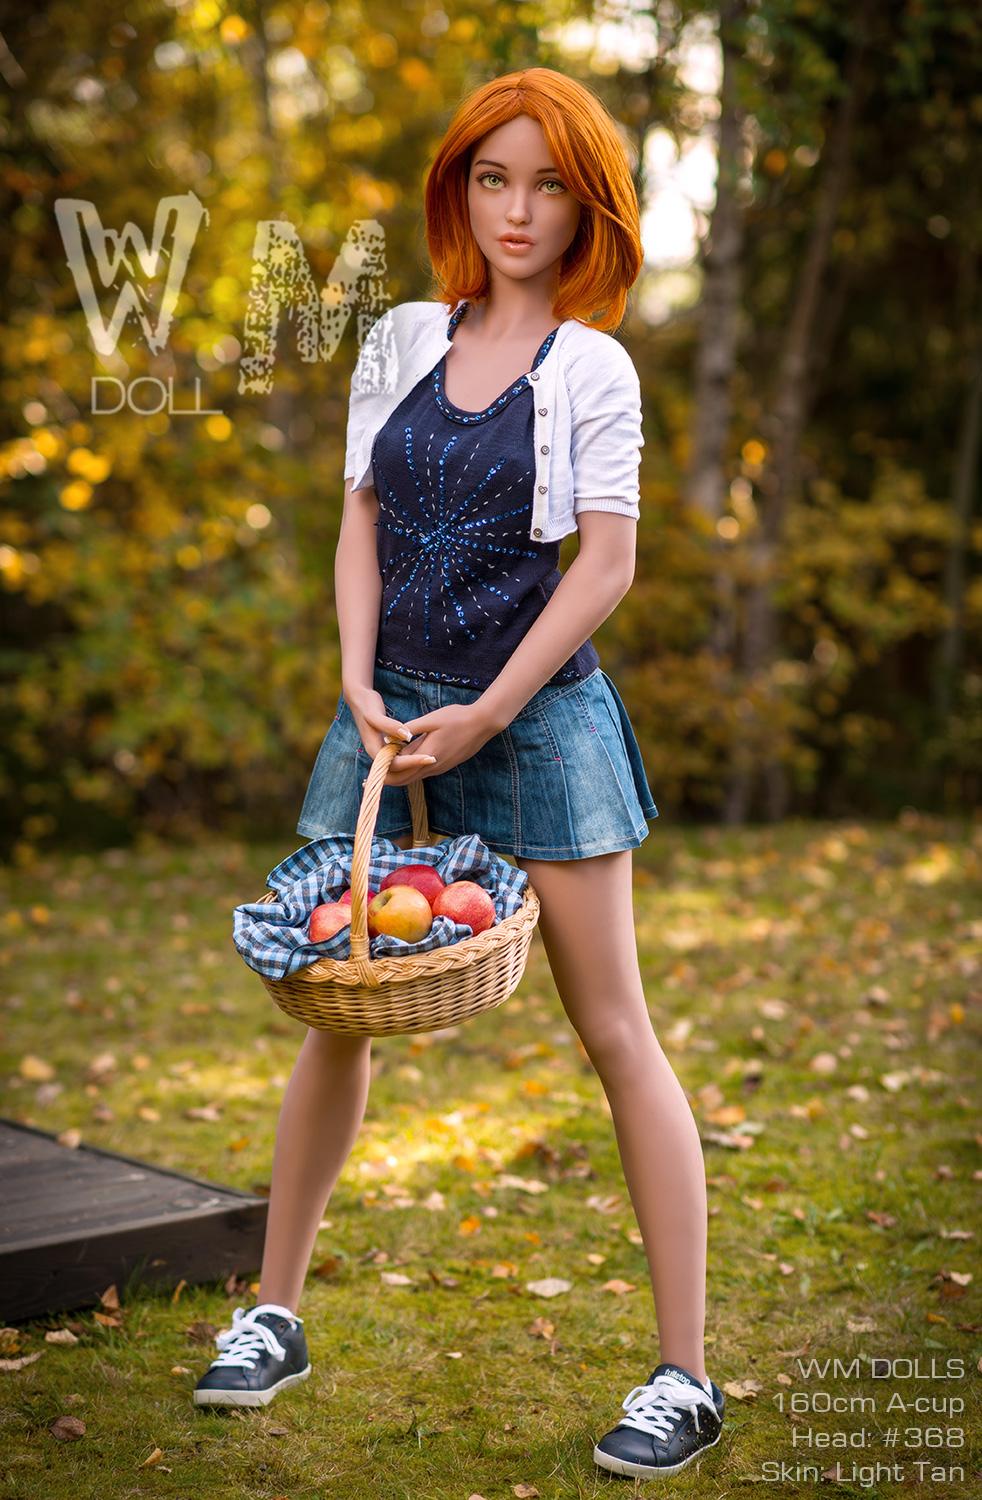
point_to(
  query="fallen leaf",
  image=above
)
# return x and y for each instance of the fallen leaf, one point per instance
(67, 1429)
(742, 1390)
(35, 1068)
(608, 1205)
(18, 1364)
(152, 1458)
(619, 1288)
(549, 1286)
(60, 1336)
(524, 1184)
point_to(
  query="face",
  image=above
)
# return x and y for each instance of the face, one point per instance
(515, 187)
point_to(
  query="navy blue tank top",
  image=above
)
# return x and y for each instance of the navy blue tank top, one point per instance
(462, 580)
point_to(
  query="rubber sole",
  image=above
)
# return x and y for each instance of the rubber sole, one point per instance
(248, 1398)
(647, 1471)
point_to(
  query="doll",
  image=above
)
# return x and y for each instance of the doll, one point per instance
(484, 425)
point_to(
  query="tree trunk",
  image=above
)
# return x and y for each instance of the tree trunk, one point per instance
(719, 322)
(782, 427)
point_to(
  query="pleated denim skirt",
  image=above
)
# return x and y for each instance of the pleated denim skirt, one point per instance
(564, 780)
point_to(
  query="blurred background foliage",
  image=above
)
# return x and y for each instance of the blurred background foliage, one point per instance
(802, 634)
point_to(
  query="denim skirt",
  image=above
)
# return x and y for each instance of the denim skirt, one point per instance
(564, 780)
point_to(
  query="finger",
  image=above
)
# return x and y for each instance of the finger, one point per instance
(420, 724)
(394, 732)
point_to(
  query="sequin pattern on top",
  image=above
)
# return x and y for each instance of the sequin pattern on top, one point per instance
(462, 580)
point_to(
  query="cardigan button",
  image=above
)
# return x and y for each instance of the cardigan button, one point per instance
(542, 489)
(544, 450)
(534, 375)
(537, 531)
(543, 411)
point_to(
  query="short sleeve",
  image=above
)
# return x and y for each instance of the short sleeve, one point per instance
(374, 375)
(606, 435)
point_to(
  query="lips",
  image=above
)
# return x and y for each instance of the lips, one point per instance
(515, 239)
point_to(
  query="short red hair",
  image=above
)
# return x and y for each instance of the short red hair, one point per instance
(605, 257)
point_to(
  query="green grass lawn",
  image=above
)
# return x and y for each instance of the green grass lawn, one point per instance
(817, 989)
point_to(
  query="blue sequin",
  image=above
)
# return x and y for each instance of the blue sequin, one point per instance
(462, 581)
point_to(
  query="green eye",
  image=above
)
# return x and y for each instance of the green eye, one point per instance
(485, 175)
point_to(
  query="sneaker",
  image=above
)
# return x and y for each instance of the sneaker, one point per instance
(262, 1353)
(671, 1418)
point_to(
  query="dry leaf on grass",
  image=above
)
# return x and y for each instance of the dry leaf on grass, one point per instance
(67, 1429)
(60, 1336)
(618, 1287)
(18, 1364)
(549, 1286)
(743, 1390)
(525, 1184)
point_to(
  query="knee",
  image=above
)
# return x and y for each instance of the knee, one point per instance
(620, 1047)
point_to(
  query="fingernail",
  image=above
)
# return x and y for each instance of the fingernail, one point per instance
(431, 759)
(407, 734)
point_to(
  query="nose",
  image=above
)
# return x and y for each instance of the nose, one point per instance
(518, 208)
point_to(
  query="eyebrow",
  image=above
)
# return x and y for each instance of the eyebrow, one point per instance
(484, 162)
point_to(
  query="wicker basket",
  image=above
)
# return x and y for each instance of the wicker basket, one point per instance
(391, 995)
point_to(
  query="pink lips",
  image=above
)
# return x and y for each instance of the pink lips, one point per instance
(514, 244)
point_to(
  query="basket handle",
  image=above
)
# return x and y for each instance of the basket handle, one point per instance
(364, 834)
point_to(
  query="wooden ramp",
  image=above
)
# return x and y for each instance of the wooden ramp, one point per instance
(75, 1220)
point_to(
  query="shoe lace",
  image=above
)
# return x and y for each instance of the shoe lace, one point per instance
(245, 1340)
(656, 1408)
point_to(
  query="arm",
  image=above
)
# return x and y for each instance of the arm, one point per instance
(357, 590)
(591, 588)
(605, 407)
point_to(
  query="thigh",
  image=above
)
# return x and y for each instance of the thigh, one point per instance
(586, 921)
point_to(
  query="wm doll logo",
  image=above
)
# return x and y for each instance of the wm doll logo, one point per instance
(175, 228)
(281, 285)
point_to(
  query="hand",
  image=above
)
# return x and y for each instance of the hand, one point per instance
(450, 734)
(375, 726)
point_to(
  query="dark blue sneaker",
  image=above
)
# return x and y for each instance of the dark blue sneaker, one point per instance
(263, 1353)
(670, 1420)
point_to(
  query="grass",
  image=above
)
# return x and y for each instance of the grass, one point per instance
(839, 1199)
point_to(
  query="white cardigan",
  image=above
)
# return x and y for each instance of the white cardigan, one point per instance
(587, 424)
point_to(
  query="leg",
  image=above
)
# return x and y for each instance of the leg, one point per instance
(586, 922)
(321, 1114)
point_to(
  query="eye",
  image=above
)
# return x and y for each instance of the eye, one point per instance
(485, 175)
(555, 181)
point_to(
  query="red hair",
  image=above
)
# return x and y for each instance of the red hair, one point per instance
(605, 256)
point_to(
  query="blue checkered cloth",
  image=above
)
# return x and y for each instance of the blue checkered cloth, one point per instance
(272, 935)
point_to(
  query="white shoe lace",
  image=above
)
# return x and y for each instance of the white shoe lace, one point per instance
(653, 1408)
(245, 1340)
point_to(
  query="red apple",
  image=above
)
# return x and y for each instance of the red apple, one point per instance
(327, 919)
(402, 912)
(345, 900)
(421, 877)
(345, 896)
(466, 901)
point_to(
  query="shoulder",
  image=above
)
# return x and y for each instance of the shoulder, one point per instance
(408, 316)
(595, 359)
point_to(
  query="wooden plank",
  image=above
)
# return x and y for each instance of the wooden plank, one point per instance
(79, 1219)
